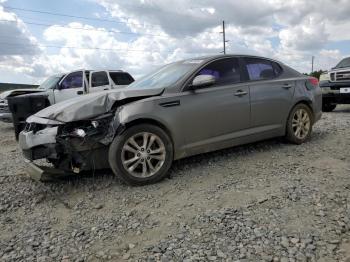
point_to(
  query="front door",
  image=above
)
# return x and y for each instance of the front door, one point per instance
(217, 113)
(71, 86)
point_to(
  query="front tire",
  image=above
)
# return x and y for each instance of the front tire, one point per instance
(141, 155)
(299, 124)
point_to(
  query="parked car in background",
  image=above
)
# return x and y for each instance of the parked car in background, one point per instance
(335, 86)
(5, 114)
(184, 108)
(87, 81)
(60, 88)
(48, 84)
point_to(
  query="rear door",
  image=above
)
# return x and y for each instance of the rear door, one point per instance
(270, 94)
(120, 79)
(72, 85)
(99, 81)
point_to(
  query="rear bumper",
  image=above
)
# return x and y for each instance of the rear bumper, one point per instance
(6, 117)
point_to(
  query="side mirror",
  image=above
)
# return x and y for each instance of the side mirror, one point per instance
(202, 81)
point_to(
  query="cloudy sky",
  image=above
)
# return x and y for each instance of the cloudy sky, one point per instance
(40, 37)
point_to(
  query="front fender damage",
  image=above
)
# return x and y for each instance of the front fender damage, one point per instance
(82, 145)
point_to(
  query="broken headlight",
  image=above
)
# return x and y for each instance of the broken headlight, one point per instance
(85, 128)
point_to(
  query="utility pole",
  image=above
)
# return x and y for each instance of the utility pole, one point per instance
(312, 63)
(224, 36)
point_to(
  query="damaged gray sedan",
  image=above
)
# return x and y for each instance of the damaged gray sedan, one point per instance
(184, 108)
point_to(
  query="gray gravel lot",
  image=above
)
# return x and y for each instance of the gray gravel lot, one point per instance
(269, 201)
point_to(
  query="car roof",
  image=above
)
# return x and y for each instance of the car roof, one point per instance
(214, 57)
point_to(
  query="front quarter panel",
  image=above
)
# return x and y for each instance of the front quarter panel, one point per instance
(152, 109)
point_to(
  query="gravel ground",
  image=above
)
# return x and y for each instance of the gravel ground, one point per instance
(269, 201)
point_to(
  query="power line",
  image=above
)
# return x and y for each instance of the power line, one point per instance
(76, 47)
(64, 15)
(93, 48)
(79, 17)
(81, 28)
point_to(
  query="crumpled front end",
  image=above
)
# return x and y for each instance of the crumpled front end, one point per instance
(74, 135)
(72, 147)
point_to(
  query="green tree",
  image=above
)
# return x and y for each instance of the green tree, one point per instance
(317, 74)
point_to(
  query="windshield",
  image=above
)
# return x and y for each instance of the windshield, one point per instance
(343, 63)
(164, 77)
(50, 82)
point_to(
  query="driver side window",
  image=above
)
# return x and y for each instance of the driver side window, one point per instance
(226, 71)
(73, 80)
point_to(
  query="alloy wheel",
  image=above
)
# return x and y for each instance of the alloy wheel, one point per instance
(301, 123)
(143, 154)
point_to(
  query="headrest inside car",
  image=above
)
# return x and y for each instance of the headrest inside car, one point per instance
(267, 74)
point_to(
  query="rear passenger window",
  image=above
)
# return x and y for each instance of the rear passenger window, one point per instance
(226, 71)
(121, 78)
(261, 69)
(99, 79)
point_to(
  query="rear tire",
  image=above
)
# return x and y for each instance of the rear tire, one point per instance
(141, 155)
(299, 124)
(328, 107)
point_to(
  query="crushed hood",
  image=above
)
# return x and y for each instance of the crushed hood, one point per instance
(92, 105)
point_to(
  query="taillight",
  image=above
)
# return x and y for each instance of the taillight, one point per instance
(311, 83)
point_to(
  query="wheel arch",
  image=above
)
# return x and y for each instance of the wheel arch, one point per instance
(150, 121)
(306, 102)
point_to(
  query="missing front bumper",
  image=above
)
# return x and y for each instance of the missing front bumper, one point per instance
(29, 139)
(44, 173)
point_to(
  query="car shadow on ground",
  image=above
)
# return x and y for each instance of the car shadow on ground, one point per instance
(99, 179)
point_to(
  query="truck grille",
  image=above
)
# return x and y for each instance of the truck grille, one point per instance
(340, 76)
(4, 109)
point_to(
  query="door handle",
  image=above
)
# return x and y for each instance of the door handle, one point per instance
(241, 93)
(170, 103)
(105, 89)
(287, 86)
(80, 92)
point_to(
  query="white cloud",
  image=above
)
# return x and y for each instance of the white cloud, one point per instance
(291, 31)
(16, 40)
(309, 35)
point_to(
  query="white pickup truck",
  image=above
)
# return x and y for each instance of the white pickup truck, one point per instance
(86, 81)
(61, 87)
